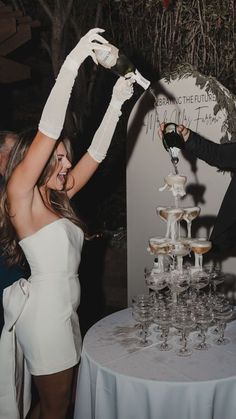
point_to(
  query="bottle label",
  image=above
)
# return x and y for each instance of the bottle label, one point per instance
(141, 80)
(108, 58)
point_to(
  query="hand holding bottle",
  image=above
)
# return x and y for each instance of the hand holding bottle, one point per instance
(183, 131)
(180, 129)
(171, 137)
(86, 47)
(122, 90)
(53, 116)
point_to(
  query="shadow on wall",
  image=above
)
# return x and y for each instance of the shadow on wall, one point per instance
(205, 222)
(145, 104)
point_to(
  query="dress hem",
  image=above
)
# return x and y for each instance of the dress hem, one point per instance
(56, 369)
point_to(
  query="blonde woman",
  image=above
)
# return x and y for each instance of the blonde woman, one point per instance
(38, 223)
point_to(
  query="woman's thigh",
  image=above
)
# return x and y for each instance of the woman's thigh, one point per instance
(54, 389)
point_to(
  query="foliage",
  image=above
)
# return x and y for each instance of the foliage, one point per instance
(224, 101)
(197, 32)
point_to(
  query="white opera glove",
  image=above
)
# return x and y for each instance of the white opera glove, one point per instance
(86, 47)
(53, 116)
(122, 91)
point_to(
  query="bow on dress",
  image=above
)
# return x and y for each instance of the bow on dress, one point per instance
(15, 395)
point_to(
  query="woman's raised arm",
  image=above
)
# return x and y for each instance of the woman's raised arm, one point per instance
(84, 169)
(26, 174)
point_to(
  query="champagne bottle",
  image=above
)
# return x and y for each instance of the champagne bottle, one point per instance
(173, 143)
(119, 64)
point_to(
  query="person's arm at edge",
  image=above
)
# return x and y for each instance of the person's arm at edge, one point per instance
(222, 156)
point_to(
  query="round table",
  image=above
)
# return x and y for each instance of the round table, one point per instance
(118, 379)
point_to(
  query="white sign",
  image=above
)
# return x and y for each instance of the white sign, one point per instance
(202, 104)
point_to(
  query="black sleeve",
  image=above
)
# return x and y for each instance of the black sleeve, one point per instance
(222, 156)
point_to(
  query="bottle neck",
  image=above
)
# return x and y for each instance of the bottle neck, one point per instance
(141, 80)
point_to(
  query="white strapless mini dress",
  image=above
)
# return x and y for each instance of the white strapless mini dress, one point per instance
(41, 311)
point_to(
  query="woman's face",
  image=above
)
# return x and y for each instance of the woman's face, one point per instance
(58, 178)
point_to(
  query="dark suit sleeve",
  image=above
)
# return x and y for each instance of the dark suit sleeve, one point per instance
(222, 156)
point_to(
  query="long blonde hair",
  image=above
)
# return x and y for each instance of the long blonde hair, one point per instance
(58, 200)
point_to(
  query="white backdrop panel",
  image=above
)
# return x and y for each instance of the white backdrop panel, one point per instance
(181, 100)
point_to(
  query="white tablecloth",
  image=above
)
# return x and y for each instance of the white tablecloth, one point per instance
(120, 380)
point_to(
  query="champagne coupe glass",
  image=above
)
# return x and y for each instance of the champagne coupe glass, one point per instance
(171, 215)
(176, 184)
(184, 320)
(142, 300)
(217, 301)
(179, 250)
(222, 313)
(160, 246)
(162, 317)
(211, 272)
(178, 282)
(198, 281)
(144, 316)
(155, 281)
(204, 317)
(200, 247)
(190, 213)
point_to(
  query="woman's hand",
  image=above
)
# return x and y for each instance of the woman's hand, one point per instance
(122, 90)
(86, 47)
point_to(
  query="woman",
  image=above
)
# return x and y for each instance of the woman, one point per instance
(222, 156)
(38, 221)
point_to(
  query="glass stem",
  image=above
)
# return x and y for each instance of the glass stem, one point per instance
(210, 289)
(222, 331)
(174, 298)
(144, 334)
(189, 225)
(168, 229)
(203, 333)
(165, 332)
(179, 235)
(180, 263)
(200, 261)
(197, 265)
(161, 263)
(185, 341)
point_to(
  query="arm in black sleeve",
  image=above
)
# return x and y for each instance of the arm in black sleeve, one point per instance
(222, 156)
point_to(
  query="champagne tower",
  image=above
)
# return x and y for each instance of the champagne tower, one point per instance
(169, 250)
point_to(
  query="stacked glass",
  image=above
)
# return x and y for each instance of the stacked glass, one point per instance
(182, 305)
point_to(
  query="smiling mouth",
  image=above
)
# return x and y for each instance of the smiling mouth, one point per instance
(62, 177)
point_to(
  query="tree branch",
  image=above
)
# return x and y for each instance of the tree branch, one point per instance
(47, 9)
